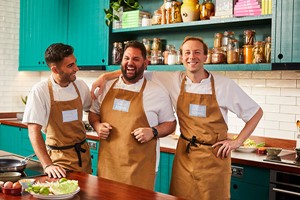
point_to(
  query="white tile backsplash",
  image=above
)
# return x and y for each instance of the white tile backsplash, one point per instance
(278, 92)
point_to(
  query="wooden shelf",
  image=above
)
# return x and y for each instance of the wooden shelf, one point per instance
(209, 67)
(221, 22)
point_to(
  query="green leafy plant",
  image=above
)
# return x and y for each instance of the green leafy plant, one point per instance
(116, 5)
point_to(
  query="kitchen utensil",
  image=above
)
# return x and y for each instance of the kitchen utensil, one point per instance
(10, 176)
(273, 152)
(14, 165)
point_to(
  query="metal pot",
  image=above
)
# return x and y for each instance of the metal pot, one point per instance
(14, 165)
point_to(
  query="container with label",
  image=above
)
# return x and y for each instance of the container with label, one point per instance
(248, 54)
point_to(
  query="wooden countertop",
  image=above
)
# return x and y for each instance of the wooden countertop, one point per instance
(168, 145)
(92, 187)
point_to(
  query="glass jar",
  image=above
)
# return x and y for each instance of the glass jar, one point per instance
(156, 18)
(117, 53)
(208, 58)
(147, 45)
(156, 57)
(175, 12)
(218, 40)
(241, 55)
(156, 44)
(178, 58)
(233, 51)
(207, 9)
(268, 49)
(248, 54)
(146, 21)
(258, 52)
(227, 35)
(218, 56)
(172, 55)
(249, 37)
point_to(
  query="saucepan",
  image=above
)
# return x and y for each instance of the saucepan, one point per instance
(14, 165)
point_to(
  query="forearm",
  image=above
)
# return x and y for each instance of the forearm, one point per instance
(94, 119)
(249, 127)
(165, 128)
(38, 144)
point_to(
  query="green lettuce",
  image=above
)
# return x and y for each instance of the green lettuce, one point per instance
(65, 187)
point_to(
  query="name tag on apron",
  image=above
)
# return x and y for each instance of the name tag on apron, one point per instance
(70, 115)
(197, 110)
(121, 105)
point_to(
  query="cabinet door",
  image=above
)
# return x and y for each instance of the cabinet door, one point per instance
(42, 23)
(163, 177)
(285, 35)
(10, 139)
(245, 191)
(26, 147)
(94, 149)
(87, 31)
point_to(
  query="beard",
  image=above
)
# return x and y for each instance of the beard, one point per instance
(133, 74)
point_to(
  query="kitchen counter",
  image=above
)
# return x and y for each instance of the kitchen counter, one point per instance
(92, 187)
(168, 144)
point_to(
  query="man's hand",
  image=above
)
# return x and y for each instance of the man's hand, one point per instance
(98, 83)
(55, 171)
(103, 130)
(143, 134)
(226, 146)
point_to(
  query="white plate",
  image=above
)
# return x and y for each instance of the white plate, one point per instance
(60, 196)
(246, 149)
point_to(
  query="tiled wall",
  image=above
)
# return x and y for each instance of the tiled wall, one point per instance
(278, 92)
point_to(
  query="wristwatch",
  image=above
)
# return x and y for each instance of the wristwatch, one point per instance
(155, 132)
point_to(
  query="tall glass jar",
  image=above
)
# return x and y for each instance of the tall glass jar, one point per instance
(248, 54)
(218, 40)
(172, 55)
(227, 35)
(156, 45)
(233, 51)
(147, 45)
(117, 53)
(268, 49)
(258, 52)
(249, 37)
(207, 9)
(156, 57)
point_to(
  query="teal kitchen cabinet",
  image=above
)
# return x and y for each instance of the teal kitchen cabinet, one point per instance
(87, 32)
(163, 177)
(94, 149)
(10, 139)
(285, 34)
(248, 183)
(42, 23)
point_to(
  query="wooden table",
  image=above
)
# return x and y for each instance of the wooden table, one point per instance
(93, 188)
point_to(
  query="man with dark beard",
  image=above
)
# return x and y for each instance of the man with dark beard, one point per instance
(129, 117)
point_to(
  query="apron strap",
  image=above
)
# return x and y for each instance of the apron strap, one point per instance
(192, 142)
(76, 146)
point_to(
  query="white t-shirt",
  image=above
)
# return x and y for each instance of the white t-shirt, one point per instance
(230, 96)
(38, 105)
(156, 102)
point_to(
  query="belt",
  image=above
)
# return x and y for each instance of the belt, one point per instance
(192, 142)
(77, 147)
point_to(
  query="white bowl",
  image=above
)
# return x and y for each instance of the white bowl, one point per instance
(246, 149)
(25, 182)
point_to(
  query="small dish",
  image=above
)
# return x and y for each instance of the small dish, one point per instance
(12, 191)
(246, 149)
(26, 182)
(273, 151)
(10, 176)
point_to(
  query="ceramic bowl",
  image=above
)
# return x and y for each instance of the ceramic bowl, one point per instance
(10, 176)
(12, 191)
(273, 152)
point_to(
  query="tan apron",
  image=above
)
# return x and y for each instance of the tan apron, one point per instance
(66, 140)
(121, 157)
(197, 172)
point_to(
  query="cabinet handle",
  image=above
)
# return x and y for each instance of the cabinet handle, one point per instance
(235, 187)
(92, 156)
(280, 56)
(39, 62)
(286, 191)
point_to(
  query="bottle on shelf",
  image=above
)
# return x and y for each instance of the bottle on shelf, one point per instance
(268, 49)
(258, 52)
(207, 9)
(117, 53)
(233, 51)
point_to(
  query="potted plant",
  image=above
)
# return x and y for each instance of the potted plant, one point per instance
(116, 5)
